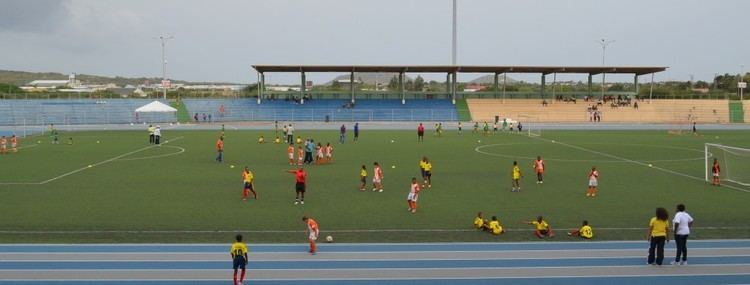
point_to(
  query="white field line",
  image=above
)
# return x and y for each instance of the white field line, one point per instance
(180, 150)
(300, 231)
(86, 167)
(637, 162)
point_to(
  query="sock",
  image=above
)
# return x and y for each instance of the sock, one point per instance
(244, 193)
(255, 195)
(242, 276)
(235, 277)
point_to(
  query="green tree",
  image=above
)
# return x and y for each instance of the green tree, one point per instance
(418, 83)
(393, 84)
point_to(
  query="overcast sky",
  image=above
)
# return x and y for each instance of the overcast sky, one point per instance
(220, 40)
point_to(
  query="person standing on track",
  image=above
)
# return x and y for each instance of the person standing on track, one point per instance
(682, 222)
(239, 259)
(300, 178)
(312, 233)
(658, 234)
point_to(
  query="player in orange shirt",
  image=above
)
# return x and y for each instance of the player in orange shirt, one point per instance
(328, 151)
(290, 153)
(539, 168)
(3, 145)
(413, 195)
(312, 233)
(377, 179)
(300, 155)
(593, 183)
(14, 143)
(220, 149)
(715, 171)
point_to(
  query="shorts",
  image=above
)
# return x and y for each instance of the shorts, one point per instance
(239, 262)
(593, 183)
(716, 175)
(543, 232)
(13, 145)
(420, 134)
(363, 179)
(540, 171)
(422, 171)
(428, 173)
(291, 156)
(516, 178)
(249, 186)
(313, 236)
(412, 196)
(300, 187)
(328, 155)
(376, 180)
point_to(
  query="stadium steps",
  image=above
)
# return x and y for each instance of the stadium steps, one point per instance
(736, 112)
(183, 116)
(462, 110)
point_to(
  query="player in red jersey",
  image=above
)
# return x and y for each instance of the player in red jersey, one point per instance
(312, 233)
(593, 182)
(715, 171)
(300, 178)
(539, 168)
(413, 195)
(377, 178)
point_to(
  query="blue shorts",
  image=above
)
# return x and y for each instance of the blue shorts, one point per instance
(239, 262)
(249, 186)
(428, 174)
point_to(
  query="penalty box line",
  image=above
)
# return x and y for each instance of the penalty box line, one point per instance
(87, 167)
(636, 162)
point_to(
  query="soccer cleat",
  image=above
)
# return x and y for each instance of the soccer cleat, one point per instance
(674, 263)
(541, 182)
(302, 202)
(374, 189)
(683, 263)
(296, 202)
(381, 190)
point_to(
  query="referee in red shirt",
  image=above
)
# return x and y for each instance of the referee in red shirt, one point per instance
(299, 176)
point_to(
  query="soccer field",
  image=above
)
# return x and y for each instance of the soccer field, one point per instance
(133, 192)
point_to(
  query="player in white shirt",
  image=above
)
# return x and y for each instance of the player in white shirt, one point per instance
(377, 178)
(682, 222)
(413, 195)
(593, 182)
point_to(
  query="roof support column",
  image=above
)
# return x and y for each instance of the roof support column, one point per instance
(454, 87)
(448, 84)
(261, 86)
(635, 84)
(351, 85)
(257, 85)
(505, 81)
(554, 85)
(302, 88)
(544, 79)
(590, 83)
(651, 92)
(401, 87)
(496, 87)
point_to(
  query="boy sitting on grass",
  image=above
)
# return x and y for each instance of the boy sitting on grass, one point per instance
(480, 223)
(585, 232)
(542, 228)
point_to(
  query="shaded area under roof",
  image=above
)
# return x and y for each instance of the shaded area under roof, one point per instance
(637, 70)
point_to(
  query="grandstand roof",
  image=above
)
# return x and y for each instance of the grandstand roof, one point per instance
(638, 70)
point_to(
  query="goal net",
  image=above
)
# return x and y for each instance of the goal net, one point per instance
(530, 125)
(734, 163)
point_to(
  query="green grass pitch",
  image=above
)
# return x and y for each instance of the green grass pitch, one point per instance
(178, 193)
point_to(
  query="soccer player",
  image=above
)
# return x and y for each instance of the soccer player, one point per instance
(494, 128)
(312, 233)
(284, 132)
(539, 168)
(486, 128)
(411, 199)
(261, 140)
(460, 127)
(715, 171)
(248, 178)
(377, 178)
(427, 173)
(14, 143)
(239, 258)
(585, 232)
(420, 133)
(220, 149)
(593, 182)
(328, 150)
(54, 135)
(356, 132)
(541, 228)
(495, 227)
(151, 134)
(476, 128)
(299, 140)
(300, 178)
(516, 177)
(363, 178)
(480, 223)
(319, 154)
(277, 140)
(658, 233)
(290, 153)
(300, 155)
(421, 167)
(3, 145)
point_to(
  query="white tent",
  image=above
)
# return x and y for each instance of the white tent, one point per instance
(155, 107)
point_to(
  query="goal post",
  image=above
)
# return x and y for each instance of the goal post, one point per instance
(531, 125)
(734, 163)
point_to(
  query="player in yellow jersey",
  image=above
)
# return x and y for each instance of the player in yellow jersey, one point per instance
(427, 173)
(480, 223)
(585, 232)
(239, 259)
(495, 227)
(516, 177)
(248, 178)
(261, 140)
(363, 178)
(541, 228)
(421, 167)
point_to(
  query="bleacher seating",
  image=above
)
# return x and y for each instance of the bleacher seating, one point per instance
(318, 110)
(77, 111)
(655, 111)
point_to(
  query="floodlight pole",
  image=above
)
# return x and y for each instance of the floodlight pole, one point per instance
(604, 43)
(455, 33)
(164, 64)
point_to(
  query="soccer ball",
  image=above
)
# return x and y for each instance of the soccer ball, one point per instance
(553, 141)
(97, 141)
(479, 141)
(231, 166)
(393, 166)
(329, 239)
(392, 141)
(649, 165)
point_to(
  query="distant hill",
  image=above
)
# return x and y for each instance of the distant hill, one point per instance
(369, 78)
(490, 79)
(20, 78)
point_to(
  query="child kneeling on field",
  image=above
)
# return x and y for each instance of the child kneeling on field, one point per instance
(585, 232)
(480, 223)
